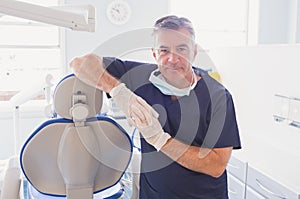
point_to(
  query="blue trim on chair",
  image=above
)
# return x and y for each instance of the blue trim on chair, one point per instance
(64, 120)
(103, 118)
(63, 79)
(116, 195)
(46, 123)
(132, 140)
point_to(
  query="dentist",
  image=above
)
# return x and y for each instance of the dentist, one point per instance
(186, 119)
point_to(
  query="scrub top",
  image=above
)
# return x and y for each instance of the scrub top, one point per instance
(205, 118)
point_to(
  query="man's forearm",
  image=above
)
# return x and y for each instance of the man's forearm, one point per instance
(209, 161)
(107, 82)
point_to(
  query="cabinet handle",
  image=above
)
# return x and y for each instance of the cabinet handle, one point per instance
(268, 190)
(233, 166)
(232, 192)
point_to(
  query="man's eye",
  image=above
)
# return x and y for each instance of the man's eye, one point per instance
(182, 49)
(163, 51)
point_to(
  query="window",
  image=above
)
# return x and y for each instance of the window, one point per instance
(216, 22)
(29, 51)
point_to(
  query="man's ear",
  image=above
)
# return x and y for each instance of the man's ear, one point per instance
(195, 51)
(154, 53)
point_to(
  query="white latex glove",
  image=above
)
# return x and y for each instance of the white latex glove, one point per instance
(91, 70)
(127, 101)
(88, 68)
(150, 128)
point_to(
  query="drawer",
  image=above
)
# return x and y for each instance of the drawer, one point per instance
(236, 189)
(268, 187)
(237, 168)
(251, 194)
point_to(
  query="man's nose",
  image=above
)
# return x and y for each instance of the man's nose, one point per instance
(173, 57)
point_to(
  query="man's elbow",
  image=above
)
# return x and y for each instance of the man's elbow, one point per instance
(218, 171)
(221, 162)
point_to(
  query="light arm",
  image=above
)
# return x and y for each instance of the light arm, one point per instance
(73, 17)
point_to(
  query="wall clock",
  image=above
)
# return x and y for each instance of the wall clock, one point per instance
(118, 12)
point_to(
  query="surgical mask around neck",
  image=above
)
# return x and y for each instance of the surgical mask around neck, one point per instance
(157, 79)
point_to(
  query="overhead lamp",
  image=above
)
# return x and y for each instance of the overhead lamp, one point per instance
(79, 17)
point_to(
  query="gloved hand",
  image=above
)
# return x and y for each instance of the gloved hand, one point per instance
(127, 101)
(90, 69)
(150, 128)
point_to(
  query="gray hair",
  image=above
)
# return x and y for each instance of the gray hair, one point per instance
(174, 23)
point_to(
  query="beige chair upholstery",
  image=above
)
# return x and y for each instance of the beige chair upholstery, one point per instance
(80, 153)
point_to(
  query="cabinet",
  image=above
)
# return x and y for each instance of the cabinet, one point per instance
(237, 171)
(237, 168)
(245, 181)
(252, 194)
(236, 188)
(266, 186)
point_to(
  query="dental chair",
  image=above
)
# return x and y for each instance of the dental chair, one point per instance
(80, 155)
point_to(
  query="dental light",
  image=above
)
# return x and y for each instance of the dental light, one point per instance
(80, 18)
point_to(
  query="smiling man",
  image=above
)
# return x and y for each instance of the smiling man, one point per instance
(186, 119)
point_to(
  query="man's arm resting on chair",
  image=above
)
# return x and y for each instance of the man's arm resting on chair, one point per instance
(90, 69)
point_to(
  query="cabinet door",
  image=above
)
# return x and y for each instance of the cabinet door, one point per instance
(251, 194)
(267, 186)
(237, 168)
(236, 189)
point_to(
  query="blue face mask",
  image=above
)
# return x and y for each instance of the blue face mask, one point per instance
(159, 82)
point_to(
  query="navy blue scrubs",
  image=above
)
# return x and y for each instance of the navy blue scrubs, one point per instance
(205, 118)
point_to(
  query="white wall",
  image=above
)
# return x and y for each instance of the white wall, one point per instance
(144, 14)
(298, 24)
(254, 75)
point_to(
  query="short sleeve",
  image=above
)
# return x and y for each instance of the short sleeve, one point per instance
(133, 74)
(223, 129)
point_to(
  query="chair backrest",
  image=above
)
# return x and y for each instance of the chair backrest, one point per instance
(79, 154)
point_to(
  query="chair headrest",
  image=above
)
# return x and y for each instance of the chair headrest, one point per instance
(70, 88)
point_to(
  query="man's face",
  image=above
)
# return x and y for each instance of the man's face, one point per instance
(174, 53)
